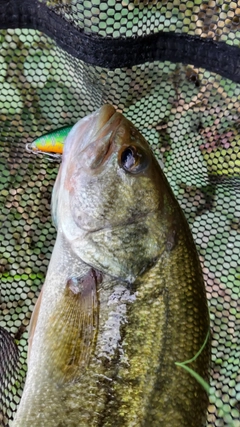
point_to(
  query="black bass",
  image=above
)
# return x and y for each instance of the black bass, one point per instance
(124, 297)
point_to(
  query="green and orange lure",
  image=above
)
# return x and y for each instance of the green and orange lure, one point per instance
(50, 144)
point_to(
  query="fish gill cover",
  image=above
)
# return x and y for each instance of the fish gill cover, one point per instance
(173, 69)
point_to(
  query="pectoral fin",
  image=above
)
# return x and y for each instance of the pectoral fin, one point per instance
(55, 196)
(73, 327)
(33, 322)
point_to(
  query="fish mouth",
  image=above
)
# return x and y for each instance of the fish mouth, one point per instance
(107, 123)
(104, 114)
(101, 146)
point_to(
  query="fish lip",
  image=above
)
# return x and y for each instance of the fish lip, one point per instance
(85, 131)
(101, 146)
(104, 114)
(104, 147)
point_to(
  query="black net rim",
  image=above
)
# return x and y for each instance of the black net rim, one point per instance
(113, 53)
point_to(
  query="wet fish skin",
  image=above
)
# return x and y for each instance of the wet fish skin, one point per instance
(144, 307)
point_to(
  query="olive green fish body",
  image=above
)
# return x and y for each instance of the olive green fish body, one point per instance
(124, 297)
(131, 378)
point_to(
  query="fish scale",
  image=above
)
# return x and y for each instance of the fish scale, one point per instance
(124, 297)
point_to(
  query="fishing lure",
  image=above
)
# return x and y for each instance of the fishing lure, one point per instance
(50, 144)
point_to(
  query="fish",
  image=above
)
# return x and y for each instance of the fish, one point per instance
(51, 143)
(124, 302)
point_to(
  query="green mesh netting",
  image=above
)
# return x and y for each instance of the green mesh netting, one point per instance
(190, 116)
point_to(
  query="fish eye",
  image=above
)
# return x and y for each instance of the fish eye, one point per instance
(132, 159)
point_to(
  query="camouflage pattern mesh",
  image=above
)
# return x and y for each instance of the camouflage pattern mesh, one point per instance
(189, 115)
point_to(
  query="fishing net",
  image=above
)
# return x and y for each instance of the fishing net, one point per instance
(172, 68)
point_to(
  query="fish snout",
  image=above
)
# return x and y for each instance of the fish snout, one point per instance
(103, 145)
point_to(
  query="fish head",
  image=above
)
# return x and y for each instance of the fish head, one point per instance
(112, 195)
